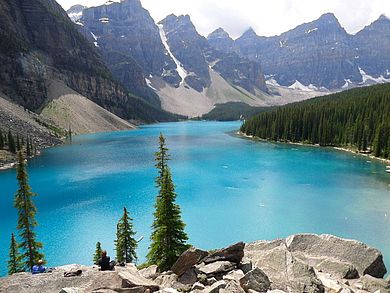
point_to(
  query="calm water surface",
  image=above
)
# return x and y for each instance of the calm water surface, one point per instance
(230, 189)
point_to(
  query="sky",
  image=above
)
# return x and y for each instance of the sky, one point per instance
(266, 17)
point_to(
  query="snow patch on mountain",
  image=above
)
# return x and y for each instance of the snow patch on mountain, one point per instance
(95, 38)
(75, 16)
(179, 67)
(109, 2)
(369, 79)
(348, 82)
(104, 20)
(149, 83)
(312, 30)
(272, 81)
(305, 88)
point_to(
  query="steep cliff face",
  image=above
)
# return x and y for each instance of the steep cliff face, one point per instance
(316, 53)
(319, 54)
(187, 46)
(372, 48)
(128, 28)
(39, 43)
(197, 55)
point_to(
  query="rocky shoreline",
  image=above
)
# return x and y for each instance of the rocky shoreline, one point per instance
(300, 263)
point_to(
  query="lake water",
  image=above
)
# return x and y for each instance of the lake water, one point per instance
(229, 189)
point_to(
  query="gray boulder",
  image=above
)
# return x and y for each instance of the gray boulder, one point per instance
(71, 290)
(90, 280)
(255, 280)
(372, 284)
(232, 287)
(245, 265)
(315, 248)
(189, 277)
(338, 269)
(197, 286)
(216, 268)
(149, 272)
(284, 270)
(132, 278)
(216, 287)
(233, 253)
(235, 275)
(188, 259)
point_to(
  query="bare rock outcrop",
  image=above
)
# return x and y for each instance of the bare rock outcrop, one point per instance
(301, 263)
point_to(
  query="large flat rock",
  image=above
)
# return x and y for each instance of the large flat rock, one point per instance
(291, 263)
(315, 248)
(90, 280)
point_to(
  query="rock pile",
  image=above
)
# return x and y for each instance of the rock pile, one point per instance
(304, 263)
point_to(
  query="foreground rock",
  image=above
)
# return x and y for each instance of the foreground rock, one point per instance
(91, 280)
(315, 263)
(301, 263)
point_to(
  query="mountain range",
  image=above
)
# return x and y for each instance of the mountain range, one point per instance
(119, 59)
(190, 74)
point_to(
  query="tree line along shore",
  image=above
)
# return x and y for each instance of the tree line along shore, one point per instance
(357, 119)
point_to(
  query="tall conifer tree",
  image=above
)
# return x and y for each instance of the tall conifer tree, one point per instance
(161, 157)
(15, 264)
(168, 239)
(11, 143)
(2, 143)
(26, 217)
(125, 243)
(98, 253)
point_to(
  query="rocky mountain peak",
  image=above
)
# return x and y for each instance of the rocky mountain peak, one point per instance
(173, 22)
(187, 45)
(131, 3)
(75, 12)
(383, 17)
(219, 33)
(328, 20)
(76, 8)
(249, 33)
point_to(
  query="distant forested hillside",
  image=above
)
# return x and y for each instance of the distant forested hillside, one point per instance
(357, 118)
(232, 111)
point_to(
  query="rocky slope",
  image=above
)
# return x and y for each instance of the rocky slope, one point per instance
(39, 44)
(317, 55)
(20, 121)
(69, 110)
(299, 263)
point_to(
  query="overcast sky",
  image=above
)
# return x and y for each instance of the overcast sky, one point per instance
(266, 17)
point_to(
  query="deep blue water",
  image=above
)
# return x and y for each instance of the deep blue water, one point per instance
(229, 189)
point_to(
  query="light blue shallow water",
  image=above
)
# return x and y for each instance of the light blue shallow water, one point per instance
(230, 189)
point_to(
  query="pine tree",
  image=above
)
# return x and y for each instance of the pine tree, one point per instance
(18, 143)
(98, 253)
(168, 239)
(15, 264)
(161, 158)
(125, 243)
(26, 217)
(11, 143)
(2, 142)
(28, 148)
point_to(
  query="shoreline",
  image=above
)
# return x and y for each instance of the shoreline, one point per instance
(341, 149)
(10, 165)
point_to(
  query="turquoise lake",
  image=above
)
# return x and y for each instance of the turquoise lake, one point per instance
(230, 189)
